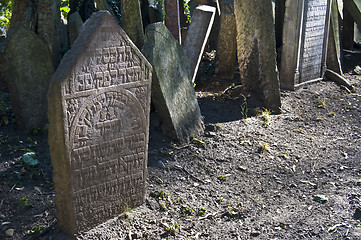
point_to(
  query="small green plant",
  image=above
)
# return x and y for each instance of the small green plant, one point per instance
(35, 229)
(264, 147)
(265, 115)
(322, 103)
(223, 178)
(171, 229)
(186, 210)
(219, 199)
(201, 211)
(244, 108)
(25, 201)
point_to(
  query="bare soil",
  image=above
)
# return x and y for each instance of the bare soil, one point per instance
(252, 175)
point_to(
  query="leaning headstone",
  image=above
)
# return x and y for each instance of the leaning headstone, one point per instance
(26, 62)
(334, 48)
(48, 27)
(172, 18)
(173, 94)
(99, 101)
(226, 49)
(198, 33)
(304, 49)
(256, 50)
(347, 30)
(74, 26)
(132, 21)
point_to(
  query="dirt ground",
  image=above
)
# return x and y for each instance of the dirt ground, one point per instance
(253, 175)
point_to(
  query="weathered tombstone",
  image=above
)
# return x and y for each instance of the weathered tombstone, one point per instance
(99, 101)
(279, 18)
(304, 48)
(74, 26)
(26, 62)
(347, 30)
(256, 49)
(334, 49)
(48, 27)
(173, 94)
(132, 21)
(198, 33)
(19, 8)
(172, 18)
(227, 44)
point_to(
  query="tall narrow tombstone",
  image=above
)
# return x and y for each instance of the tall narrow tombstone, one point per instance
(333, 60)
(173, 94)
(48, 27)
(26, 62)
(198, 33)
(256, 49)
(226, 49)
(305, 36)
(172, 18)
(132, 21)
(74, 26)
(279, 18)
(99, 102)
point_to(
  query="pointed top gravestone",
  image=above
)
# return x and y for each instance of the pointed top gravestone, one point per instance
(99, 101)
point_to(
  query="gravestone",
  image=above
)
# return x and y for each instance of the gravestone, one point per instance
(27, 67)
(227, 44)
(256, 50)
(74, 26)
(48, 27)
(132, 21)
(172, 18)
(198, 33)
(334, 49)
(99, 101)
(347, 30)
(305, 32)
(173, 94)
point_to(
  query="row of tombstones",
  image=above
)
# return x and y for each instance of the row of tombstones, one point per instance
(99, 96)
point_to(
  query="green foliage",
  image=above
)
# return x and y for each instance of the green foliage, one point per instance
(25, 201)
(64, 8)
(6, 7)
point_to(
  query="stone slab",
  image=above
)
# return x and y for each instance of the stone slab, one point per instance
(227, 45)
(173, 94)
(74, 26)
(48, 27)
(256, 50)
(172, 18)
(132, 21)
(99, 101)
(198, 33)
(26, 62)
(305, 37)
(334, 49)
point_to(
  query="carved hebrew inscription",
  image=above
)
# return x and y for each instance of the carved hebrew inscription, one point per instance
(313, 39)
(106, 101)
